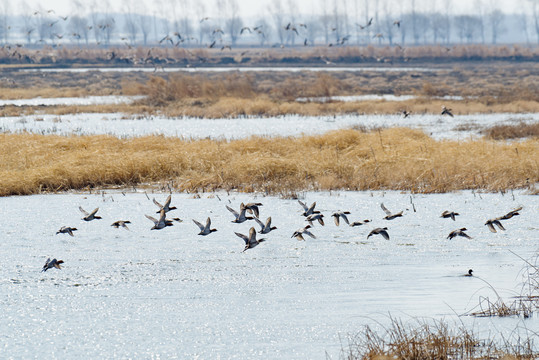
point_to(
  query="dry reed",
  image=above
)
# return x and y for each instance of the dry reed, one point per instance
(398, 158)
(434, 340)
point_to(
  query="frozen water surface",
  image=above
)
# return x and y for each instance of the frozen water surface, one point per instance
(461, 127)
(174, 294)
(230, 69)
(88, 100)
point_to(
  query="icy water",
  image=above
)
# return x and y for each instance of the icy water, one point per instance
(230, 69)
(86, 100)
(173, 294)
(461, 127)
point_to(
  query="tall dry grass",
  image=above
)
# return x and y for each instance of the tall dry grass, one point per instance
(397, 158)
(433, 340)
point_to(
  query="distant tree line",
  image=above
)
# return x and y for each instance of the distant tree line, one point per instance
(175, 23)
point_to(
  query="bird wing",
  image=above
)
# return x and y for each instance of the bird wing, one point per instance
(299, 236)
(303, 205)
(169, 199)
(157, 203)
(499, 224)
(260, 223)
(252, 236)
(307, 232)
(268, 222)
(490, 226)
(465, 235)
(83, 211)
(152, 219)
(345, 218)
(336, 218)
(94, 212)
(384, 234)
(311, 209)
(199, 225)
(385, 209)
(208, 223)
(232, 211)
(245, 238)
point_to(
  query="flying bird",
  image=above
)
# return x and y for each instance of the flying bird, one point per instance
(446, 111)
(359, 223)
(298, 234)
(161, 223)
(239, 217)
(510, 214)
(449, 214)
(250, 241)
(458, 232)
(308, 210)
(265, 228)
(91, 216)
(66, 230)
(205, 229)
(379, 231)
(49, 264)
(314, 217)
(490, 224)
(389, 214)
(340, 214)
(121, 223)
(165, 207)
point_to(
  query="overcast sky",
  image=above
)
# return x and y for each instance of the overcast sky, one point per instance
(258, 8)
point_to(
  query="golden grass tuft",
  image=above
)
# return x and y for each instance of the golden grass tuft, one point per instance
(398, 158)
(518, 131)
(434, 340)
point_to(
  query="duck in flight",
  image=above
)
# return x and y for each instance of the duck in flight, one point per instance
(165, 207)
(89, 216)
(389, 214)
(379, 231)
(298, 234)
(266, 228)
(205, 229)
(458, 232)
(239, 217)
(66, 230)
(308, 210)
(449, 214)
(121, 223)
(340, 214)
(250, 241)
(49, 264)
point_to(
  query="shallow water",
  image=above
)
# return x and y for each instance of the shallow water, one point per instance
(461, 127)
(230, 69)
(85, 100)
(174, 294)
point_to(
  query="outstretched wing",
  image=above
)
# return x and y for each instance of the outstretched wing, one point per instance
(199, 225)
(260, 223)
(305, 208)
(94, 212)
(152, 219)
(245, 238)
(157, 203)
(385, 209)
(167, 202)
(83, 211)
(232, 211)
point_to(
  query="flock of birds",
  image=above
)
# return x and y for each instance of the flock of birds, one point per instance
(251, 211)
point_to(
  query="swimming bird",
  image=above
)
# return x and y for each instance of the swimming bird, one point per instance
(469, 273)
(314, 217)
(121, 223)
(359, 223)
(490, 223)
(91, 216)
(250, 241)
(49, 264)
(252, 208)
(446, 111)
(340, 214)
(266, 228)
(205, 229)
(298, 234)
(66, 230)
(449, 214)
(161, 223)
(308, 210)
(510, 214)
(458, 232)
(239, 217)
(165, 207)
(379, 231)
(389, 214)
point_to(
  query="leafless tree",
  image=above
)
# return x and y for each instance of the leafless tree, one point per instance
(535, 15)
(277, 15)
(131, 27)
(467, 27)
(325, 20)
(480, 16)
(496, 23)
(5, 27)
(233, 22)
(78, 27)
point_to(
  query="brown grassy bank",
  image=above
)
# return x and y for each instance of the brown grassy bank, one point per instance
(399, 158)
